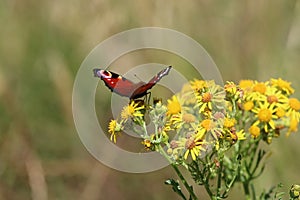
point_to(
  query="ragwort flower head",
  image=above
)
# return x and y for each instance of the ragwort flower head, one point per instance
(293, 109)
(212, 97)
(194, 144)
(275, 96)
(229, 122)
(233, 91)
(182, 120)
(260, 87)
(207, 124)
(283, 86)
(198, 85)
(248, 105)
(293, 127)
(265, 114)
(246, 85)
(213, 127)
(114, 128)
(133, 110)
(173, 106)
(258, 92)
(254, 131)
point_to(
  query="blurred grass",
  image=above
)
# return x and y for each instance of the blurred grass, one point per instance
(42, 44)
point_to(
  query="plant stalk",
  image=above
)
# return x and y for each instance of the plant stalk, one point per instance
(175, 167)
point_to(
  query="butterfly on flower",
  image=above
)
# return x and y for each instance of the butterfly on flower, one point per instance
(124, 87)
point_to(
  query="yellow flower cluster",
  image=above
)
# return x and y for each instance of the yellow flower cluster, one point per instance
(134, 111)
(198, 117)
(269, 107)
(205, 116)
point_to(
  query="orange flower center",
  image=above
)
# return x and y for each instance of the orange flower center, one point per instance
(272, 99)
(264, 115)
(254, 131)
(188, 118)
(206, 124)
(190, 144)
(248, 105)
(206, 97)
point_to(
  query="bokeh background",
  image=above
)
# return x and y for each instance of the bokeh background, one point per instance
(42, 44)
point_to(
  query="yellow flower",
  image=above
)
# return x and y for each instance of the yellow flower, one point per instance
(254, 131)
(207, 124)
(260, 87)
(213, 96)
(280, 112)
(241, 135)
(293, 126)
(295, 192)
(132, 110)
(248, 105)
(229, 122)
(178, 120)
(198, 85)
(258, 92)
(246, 85)
(265, 114)
(205, 102)
(294, 104)
(282, 85)
(193, 145)
(211, 127)
(173, 106)
(147, 143)
(275, 96)
(234, 136)
(230, 88)
(294, 108)
(113, 128)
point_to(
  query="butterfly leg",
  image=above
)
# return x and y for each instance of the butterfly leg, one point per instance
(147, 98)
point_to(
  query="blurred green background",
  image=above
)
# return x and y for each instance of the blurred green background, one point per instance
(42, 44)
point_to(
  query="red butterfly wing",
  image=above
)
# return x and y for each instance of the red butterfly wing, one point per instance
(142, 89)
(115, 82)
(125, 87)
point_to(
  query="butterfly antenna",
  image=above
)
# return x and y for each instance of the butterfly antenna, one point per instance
(137, 77)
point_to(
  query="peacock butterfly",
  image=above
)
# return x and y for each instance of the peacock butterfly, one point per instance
(124, 87)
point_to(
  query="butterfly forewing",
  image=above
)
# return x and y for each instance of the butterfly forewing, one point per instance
(143, 89)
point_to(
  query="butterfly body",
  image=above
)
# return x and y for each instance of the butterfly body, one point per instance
(124, 87)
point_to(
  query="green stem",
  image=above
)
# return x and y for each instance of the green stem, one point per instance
(145, 129)
(219, 178)
(234, 107)
(205, 180)
(247, 190)
(187, 186)
(228, 187)
(251, 167)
